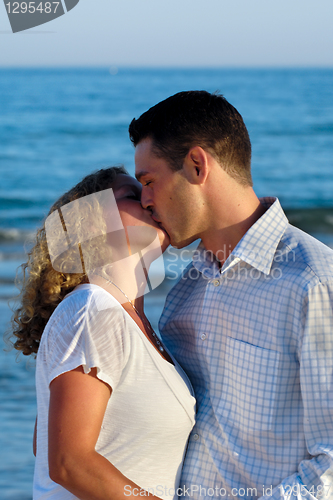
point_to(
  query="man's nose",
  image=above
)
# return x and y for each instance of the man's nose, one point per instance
(146, 200)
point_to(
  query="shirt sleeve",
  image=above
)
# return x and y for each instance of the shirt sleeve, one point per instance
(314, 478)
(88, 330)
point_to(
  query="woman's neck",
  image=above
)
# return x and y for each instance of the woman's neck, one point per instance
(125, 280)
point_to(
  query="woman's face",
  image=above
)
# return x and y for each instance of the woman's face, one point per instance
(127, 192)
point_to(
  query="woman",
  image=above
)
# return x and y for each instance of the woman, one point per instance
(114, 408)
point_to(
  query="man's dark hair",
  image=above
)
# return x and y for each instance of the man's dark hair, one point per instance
(197, 118)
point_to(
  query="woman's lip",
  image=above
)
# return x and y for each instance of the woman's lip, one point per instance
(159, 223)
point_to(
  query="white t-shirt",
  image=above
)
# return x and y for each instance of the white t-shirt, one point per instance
(151, 410)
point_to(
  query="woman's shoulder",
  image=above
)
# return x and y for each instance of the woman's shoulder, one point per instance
(88, 329)
(89, 295)
(87, 303)
(87, 290)
(88, 312)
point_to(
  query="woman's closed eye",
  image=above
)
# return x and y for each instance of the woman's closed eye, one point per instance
(133, 196)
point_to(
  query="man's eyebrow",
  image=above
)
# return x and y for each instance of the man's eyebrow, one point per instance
(141, 174)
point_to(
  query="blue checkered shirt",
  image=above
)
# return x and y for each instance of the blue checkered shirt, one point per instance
(256, 340)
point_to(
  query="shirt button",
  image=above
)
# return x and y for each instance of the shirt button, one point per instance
(195, 437)
(216, 283)
(203, 336)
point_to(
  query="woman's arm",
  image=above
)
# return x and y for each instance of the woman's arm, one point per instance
(77, 405)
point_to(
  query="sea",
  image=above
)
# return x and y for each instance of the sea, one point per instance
(59, 124)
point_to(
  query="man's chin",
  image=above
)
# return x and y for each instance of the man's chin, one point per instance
(179, 244)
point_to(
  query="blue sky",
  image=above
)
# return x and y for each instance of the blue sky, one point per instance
(181, 33)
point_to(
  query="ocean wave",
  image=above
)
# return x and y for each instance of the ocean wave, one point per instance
(323, 129)
(11, 202)
(15, 235)
(312, 220)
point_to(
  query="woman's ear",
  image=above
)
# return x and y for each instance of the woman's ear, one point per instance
(196, 165)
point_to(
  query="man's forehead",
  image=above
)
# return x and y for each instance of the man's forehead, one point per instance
(146, 161)
(143, 150)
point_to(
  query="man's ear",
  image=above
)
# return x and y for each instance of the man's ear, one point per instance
(196, 165)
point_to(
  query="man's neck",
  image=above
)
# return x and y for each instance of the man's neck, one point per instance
(221, 239)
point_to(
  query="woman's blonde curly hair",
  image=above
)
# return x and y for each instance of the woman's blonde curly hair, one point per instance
(42, 286)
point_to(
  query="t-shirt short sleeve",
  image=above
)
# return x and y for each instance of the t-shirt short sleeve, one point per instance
(88, 329)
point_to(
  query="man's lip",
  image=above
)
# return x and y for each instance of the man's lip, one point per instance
(156, 220)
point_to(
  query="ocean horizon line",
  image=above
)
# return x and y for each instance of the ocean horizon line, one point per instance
(298, 67)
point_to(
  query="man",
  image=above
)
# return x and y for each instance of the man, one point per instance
(251, 319)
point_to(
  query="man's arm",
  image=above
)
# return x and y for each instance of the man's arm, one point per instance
(314, 478)
(34, 439)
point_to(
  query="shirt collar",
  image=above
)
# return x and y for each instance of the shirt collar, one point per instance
(206, 262)
(257, 247)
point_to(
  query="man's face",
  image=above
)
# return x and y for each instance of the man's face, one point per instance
(166, 194)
